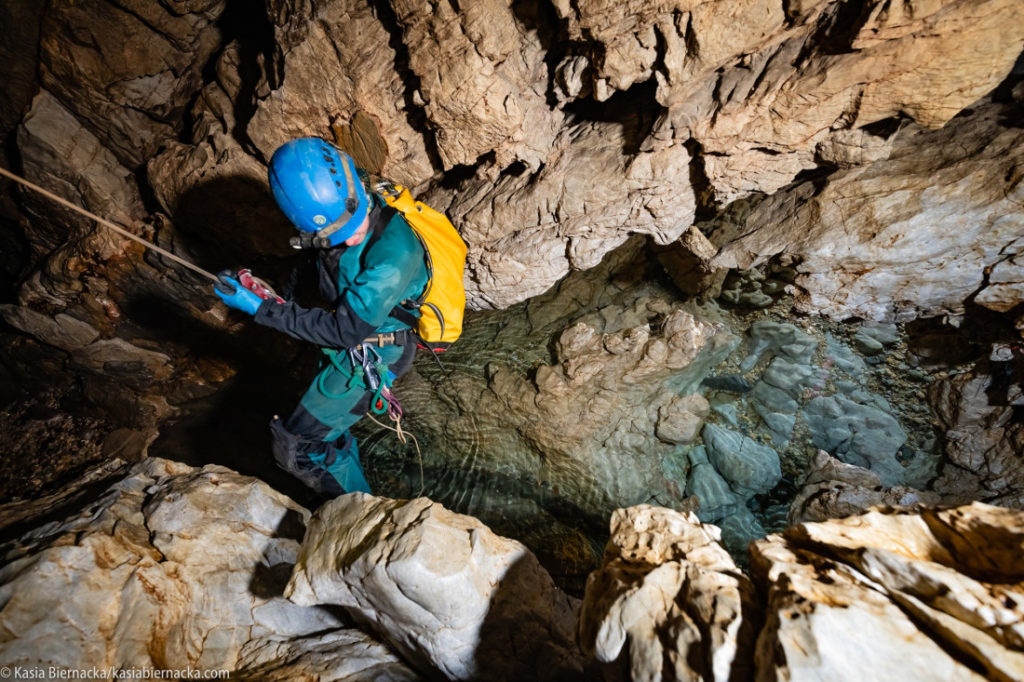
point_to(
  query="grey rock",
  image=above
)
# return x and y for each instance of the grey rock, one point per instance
(775, 399)
(791, 377)
(867, 344)
(858, 434)
(727, 411)
(707, 485)
(756, 299)
(887, 334)
(750, 468)
(778, 337)
(843, 358)
(781, 425)
(739, 530)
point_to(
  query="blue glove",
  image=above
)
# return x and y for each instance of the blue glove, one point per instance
(235, 295)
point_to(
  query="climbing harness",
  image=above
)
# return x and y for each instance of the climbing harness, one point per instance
(106, 223)
(370, 369)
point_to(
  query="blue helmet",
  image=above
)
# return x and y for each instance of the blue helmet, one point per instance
(319, 189)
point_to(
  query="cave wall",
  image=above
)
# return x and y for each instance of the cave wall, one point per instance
(549, 131)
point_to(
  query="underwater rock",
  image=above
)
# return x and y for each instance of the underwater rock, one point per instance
(440, 588)
(171, 567)
(668, 602)
(781, 425)
(867, 344)
(930, 594)
(734, 383)
(715, 499)
(857, 434)
(840, 355)
(833, 489)
(739, 529)
(750, 468)
(778, 338)
(680, 420)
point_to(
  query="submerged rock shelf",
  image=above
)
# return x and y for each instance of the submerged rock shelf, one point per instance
(610, 391)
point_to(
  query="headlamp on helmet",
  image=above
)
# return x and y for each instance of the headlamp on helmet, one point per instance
(318, 188)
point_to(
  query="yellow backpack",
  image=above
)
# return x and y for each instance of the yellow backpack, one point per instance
(443, 303)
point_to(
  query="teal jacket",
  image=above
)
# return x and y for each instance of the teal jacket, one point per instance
(362, 283)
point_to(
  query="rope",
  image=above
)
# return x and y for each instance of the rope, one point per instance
(106, 223)
(397, 428)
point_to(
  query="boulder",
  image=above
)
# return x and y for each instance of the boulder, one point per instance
(668, 601)
(441, 588)
(930, 594)
(172, 568)
(833, 489)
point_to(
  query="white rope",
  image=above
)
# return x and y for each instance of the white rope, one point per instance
(397, 429)
(106, 223)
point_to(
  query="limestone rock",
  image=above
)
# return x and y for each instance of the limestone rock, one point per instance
(983, 443)
(669, 599)
(688, 262)
(216, 190)
(132, 364)
(763, 89)
(441, 588)
(172, 567)
(128, 69)
(859, 434)
(930, 594)
(335, 656)
(680, 420)
(337, 64)
(19, 44)
(528, 230)
(908, 236)
(482, 79)
(750, 468)
(62, 156)
(62, 331)
(833, 489)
